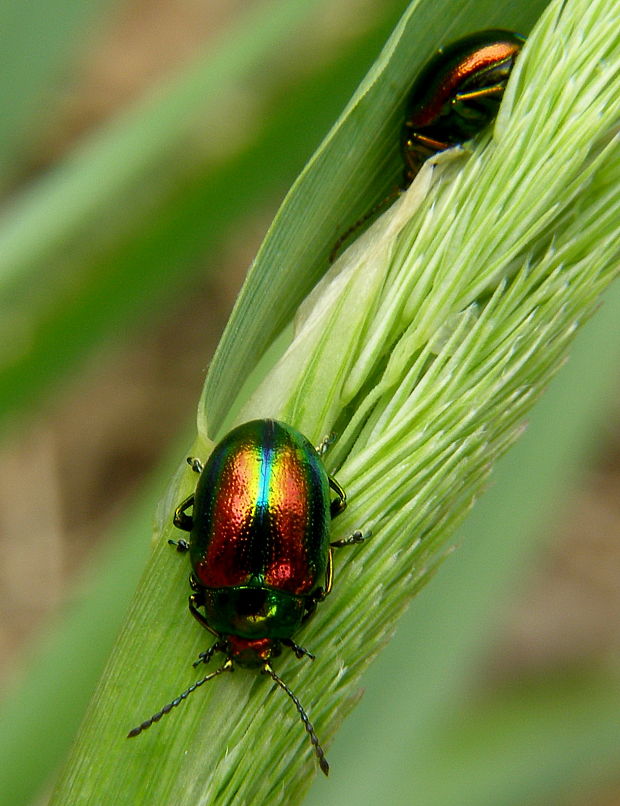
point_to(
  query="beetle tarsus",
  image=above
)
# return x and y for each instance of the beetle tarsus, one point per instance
(324, 444)
(205, 657)
(352, 540)
(299, 651)
(181, 545)
(195, 464)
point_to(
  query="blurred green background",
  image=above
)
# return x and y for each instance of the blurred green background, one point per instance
(145, 147)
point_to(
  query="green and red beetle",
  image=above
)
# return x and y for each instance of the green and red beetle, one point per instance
(457, 94)
(454, 98)
(260, 549)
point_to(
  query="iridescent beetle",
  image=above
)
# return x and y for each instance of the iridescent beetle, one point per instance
(457, 94)
(454, 98)
(260, 550)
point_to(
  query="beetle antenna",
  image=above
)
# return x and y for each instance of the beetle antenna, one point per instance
(320, 754)
(360, 223)
(227, 667)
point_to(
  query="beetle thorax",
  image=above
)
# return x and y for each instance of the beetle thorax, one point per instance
(253, 612)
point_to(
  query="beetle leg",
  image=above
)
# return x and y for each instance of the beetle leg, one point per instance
(195, 464)
(324, 444)
(329, 574)
(352, 540)
(194, 603)
(427, 142)
(300, 651)
(311, 604)
(483, 92)
(339, 504)
(181, 519)
(181, 544)
(205, 657)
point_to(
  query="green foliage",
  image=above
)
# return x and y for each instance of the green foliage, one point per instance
(118, 227)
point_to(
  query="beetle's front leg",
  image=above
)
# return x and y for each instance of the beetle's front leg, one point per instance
(205, 657)
(194, 602)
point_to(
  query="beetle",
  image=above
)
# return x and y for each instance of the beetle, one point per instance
(454, 98)
(457, 94)
(260, 550)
